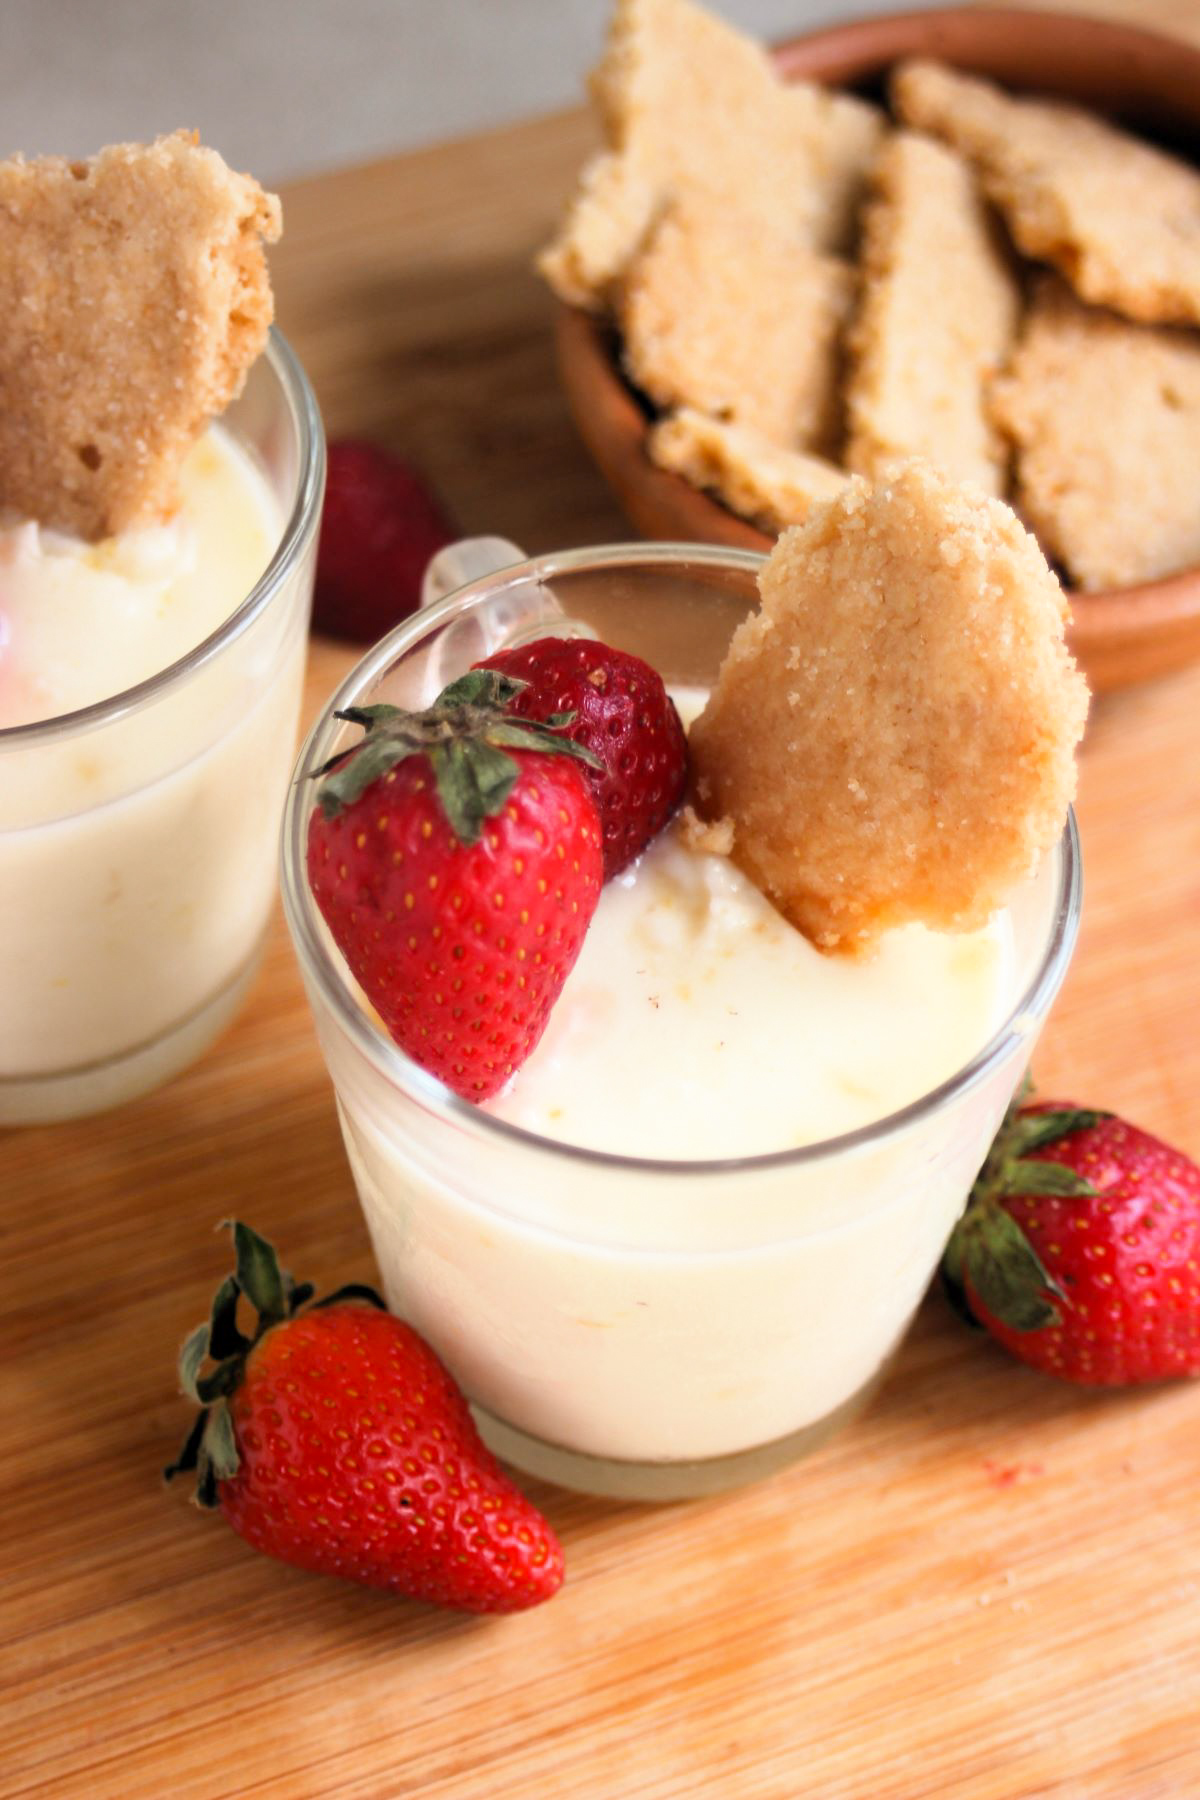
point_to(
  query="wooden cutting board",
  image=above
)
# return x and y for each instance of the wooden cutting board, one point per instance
(988, 1588)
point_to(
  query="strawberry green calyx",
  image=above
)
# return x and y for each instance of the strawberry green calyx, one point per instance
(210, 1450)
(988, 1253)
(466, 734)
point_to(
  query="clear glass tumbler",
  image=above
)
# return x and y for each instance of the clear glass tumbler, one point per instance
(137, 836)
(625, 1326)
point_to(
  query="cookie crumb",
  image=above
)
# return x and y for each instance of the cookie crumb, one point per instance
(711, 837)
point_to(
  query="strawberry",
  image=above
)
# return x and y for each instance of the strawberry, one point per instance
(455, 856)
(625, 717)
(334, 1439)
(380, 526)
(1080, 1248)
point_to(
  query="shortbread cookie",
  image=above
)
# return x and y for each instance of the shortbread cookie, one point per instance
(691, 95)
(134, 294)
(609, 216)
(737, 321)
(893, 733)
(754, 477)
(840, 136)
(937, 317)
(1106, 419)
(692, 107)
(1120, 219)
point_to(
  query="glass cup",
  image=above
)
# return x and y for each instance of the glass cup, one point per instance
(629, 1327)
(137, 836)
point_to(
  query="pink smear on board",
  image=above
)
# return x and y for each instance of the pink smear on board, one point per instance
(1003, 1475)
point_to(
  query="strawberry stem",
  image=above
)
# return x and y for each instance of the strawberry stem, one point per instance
(224, 1338)
(1022, 1132)
(258, 1274)
(466, 735)
(353, 1290)
(988, 1248)
(210, 1448)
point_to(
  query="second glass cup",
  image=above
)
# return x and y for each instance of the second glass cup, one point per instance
(137, 869)
(634, 1327)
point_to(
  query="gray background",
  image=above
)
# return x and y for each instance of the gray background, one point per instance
(287, 87)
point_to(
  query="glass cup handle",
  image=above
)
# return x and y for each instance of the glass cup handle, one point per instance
(470, 559)
(527, 610)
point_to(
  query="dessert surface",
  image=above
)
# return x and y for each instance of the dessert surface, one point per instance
(81, 622)
(698, 1023)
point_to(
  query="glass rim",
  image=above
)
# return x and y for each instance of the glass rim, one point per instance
(301, 523)
(431, 1094)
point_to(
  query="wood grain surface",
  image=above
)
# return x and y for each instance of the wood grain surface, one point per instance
(988, 1588)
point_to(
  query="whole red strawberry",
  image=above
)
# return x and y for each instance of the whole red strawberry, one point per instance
(455, 856)
(625, 717)
(380, 526)
(1080, 1248)
(334, 1439)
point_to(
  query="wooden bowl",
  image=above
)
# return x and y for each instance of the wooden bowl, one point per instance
(1150, 82)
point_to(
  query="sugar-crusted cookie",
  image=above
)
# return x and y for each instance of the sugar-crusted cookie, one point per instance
(607, 220)
(134, 295)
(937, 317)
(737, 321)
(754, 477)
(1119, 218)
(1106, 419)
(893, 733)
(840, 136)
(687, 92)
(691, 107)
